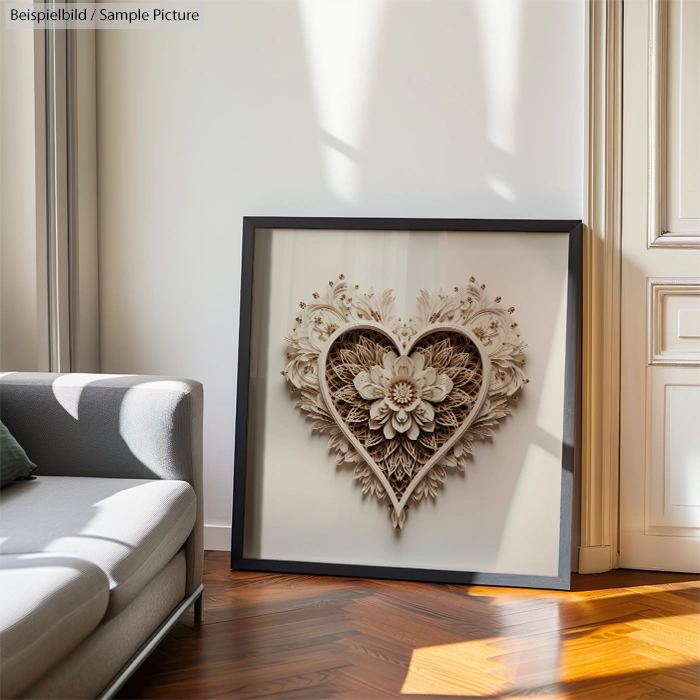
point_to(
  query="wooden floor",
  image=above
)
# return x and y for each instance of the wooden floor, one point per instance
(624, 634)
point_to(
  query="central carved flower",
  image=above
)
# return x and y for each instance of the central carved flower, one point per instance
(403, 391)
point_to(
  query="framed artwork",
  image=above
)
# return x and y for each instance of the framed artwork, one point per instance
(407, 399)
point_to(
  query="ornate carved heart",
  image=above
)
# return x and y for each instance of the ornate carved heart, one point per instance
(403, 401)
(402, 409)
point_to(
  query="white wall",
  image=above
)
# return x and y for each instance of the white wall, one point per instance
(18, 255)
(312, 107)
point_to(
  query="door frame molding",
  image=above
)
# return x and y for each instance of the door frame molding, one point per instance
(67, 198)
(602, 291)
(657, 72)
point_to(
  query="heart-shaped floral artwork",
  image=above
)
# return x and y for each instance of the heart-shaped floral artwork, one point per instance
(404, 401)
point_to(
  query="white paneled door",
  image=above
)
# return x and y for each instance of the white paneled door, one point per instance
(660, 380)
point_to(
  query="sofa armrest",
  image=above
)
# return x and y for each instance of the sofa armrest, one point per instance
(118, 426)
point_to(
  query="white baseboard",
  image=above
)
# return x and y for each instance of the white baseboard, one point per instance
(594, 560)
(217, 537)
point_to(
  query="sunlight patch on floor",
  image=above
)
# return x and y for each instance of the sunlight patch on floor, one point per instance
(497, 665)
(456, 669)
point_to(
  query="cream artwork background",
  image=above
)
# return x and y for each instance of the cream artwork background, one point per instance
(501, 514)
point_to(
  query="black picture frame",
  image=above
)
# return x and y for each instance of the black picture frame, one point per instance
(571, 416)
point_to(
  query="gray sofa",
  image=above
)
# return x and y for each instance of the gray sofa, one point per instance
(102, 552)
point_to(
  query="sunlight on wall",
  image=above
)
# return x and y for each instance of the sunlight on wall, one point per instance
(199, 128)
(341, 39)
(502, 189)
(500, 37)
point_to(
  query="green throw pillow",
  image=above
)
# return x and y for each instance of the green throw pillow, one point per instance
(14, 463)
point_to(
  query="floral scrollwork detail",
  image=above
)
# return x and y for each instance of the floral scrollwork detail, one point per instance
(404, 402)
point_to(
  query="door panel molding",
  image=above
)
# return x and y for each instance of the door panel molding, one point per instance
(658, 235)
(659, 291)
(652, 552)
(602, 291)
(672, 490)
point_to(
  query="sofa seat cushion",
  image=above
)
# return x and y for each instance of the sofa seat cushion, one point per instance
(130, 528)
(50, 604)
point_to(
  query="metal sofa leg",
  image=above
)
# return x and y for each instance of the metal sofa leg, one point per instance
(199, 608)
(152, 642)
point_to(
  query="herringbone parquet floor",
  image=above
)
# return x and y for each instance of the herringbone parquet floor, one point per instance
(625, 634)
